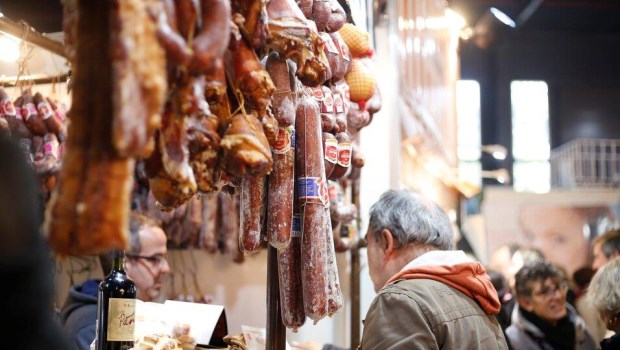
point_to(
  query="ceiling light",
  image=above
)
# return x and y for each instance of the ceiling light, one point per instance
(504, 18)
(9, 48)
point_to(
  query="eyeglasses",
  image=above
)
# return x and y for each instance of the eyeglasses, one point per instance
(156, 260)
(549, 292)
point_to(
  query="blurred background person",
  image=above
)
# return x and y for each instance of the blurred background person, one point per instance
(581, 281)
(26, 297)
(505, 298)
(509, 258)
(543, 319)
(604, 295)
(605, 247)
(145, 264)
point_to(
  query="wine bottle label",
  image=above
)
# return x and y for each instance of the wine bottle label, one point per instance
(121, 317)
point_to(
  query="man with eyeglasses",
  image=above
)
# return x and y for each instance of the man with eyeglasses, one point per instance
(145, 261)
(543, 319)
(145, 264)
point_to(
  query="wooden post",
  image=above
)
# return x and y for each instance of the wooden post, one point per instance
(276, 332)
(355, 296)
(356, 269)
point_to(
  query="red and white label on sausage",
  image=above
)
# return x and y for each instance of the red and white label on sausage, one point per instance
(327, 105)
(329, 43)
(338, 103)
(345, 93)
(51, 145)
(344, 154)
(28, 110)
(7, 107)
(283, 142)
(312, 190)
(44, 110)
(317, 93)
(343, 52)
(18, 114)
(331, 150)
(60, 115)
(333, 191)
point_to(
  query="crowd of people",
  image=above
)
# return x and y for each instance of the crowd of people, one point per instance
(432, 297)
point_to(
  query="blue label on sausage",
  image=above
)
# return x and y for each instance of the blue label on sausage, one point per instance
(296, 232)
(312, 190)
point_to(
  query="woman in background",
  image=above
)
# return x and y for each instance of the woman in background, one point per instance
(604, 294)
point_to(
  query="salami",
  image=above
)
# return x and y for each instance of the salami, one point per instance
(252, 212)
(312, 198)
(280, 195)
(344, 155)
(334, 293)
(19, 130)
(228, 226)
(340, 109)
(31, 117)
(208, 236)
(290, 278)
(282, 99)
(46, 114)
(330, 150)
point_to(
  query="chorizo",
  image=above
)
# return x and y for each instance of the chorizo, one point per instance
(290, 278)
(281, 190)
(251, 213)
(337, 18)
(31, 117)
(282, 99)
(344, 57)
(19, 129)
(330, 150)
(212, 40)
(208, 236)
(340, 111)
(46, 113)
(312, 198)
(334, 293)
(344, 155)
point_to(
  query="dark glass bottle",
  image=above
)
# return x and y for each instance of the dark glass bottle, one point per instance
(116, 306)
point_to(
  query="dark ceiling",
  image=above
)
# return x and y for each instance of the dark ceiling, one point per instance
(44, 15)
(579, 16)
(568, 16)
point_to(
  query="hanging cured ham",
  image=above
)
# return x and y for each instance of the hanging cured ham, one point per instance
(118, 91)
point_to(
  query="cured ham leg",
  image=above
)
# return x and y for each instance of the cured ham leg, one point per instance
(89, 209)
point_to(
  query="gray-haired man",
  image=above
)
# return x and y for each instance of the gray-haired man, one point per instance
(429, 296)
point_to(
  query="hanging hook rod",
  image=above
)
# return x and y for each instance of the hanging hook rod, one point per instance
(24, 31)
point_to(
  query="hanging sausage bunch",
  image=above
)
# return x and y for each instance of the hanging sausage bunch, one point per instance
(39, 125)
(240, 113)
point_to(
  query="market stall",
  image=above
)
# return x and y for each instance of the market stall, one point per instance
(235, 124)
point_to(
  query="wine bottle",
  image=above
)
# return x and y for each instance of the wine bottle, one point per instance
(116, 306)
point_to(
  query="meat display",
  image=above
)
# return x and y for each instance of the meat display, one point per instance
(237, 111)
